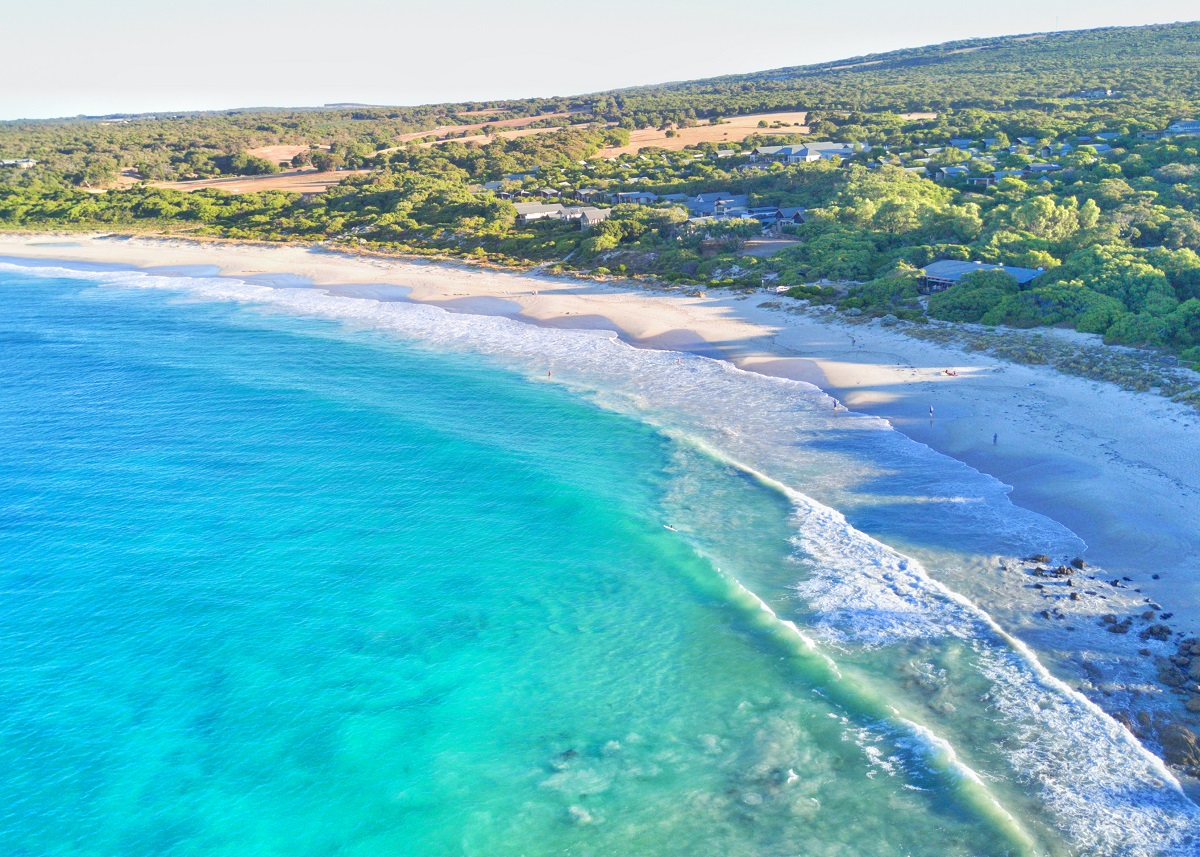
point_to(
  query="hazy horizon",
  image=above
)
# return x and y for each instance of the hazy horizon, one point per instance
(136, 57)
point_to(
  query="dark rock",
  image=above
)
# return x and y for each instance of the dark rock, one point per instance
(1074, 596)
(1063, 571)
(1108, 619)
(1179, 746)
(1144, 652)
(1154, 576)
(1156, 632)
(1149, 614)
(1038, 586)
(1037, 557)
(1166, 615)
(1127, 579)
(1079, 563)
(1045, 614)
(1119, 628)
(1171, 676)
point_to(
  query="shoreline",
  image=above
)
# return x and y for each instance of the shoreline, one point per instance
(1111, 465)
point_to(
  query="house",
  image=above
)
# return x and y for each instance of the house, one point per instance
(1185, 128)
(585, 216)
(1000, 175)
(528, 212)
(804, 154)
(944, 273)
(948, 173)
(717, 203)
(1095, 93)
(1040, 169)
(549, 193)
(1058, 149)
(766, 213)
(791, 215)
(1108, 135)
(961, 142)
(586, 194)
(633, 197)
(1027, 141)
(19, 163)
(918, 171)
(589, 217)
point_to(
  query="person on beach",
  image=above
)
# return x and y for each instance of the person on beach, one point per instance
(995, 439)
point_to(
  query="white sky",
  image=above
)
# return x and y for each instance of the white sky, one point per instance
(69, 57)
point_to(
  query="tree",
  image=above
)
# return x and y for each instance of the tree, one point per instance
(326, 161)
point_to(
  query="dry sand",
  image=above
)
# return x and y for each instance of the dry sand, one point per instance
(734, 129)
(1121, 469)
(306, 180)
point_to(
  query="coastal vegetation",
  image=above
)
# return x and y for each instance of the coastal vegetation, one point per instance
(1113, 221)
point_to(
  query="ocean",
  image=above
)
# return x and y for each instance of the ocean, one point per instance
(292, 572)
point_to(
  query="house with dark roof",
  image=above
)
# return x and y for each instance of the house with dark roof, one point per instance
(944, 273)
(588, 216)
(946, 173)
(634, 197)
(716, 204)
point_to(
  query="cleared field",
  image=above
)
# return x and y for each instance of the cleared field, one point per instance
(484, 139)
(275, 154)
(297, 181)
(444, 130)
(732, 130)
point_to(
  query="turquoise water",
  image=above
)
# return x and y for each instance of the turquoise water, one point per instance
(287, 581)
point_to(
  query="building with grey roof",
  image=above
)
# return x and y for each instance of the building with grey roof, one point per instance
(944, 273)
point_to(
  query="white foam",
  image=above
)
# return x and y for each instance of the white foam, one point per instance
(1107, 792)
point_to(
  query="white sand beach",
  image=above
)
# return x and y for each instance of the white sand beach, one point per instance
(1121, 469)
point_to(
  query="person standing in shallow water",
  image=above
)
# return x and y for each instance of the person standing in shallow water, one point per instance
(995, 439)
(931, 411)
